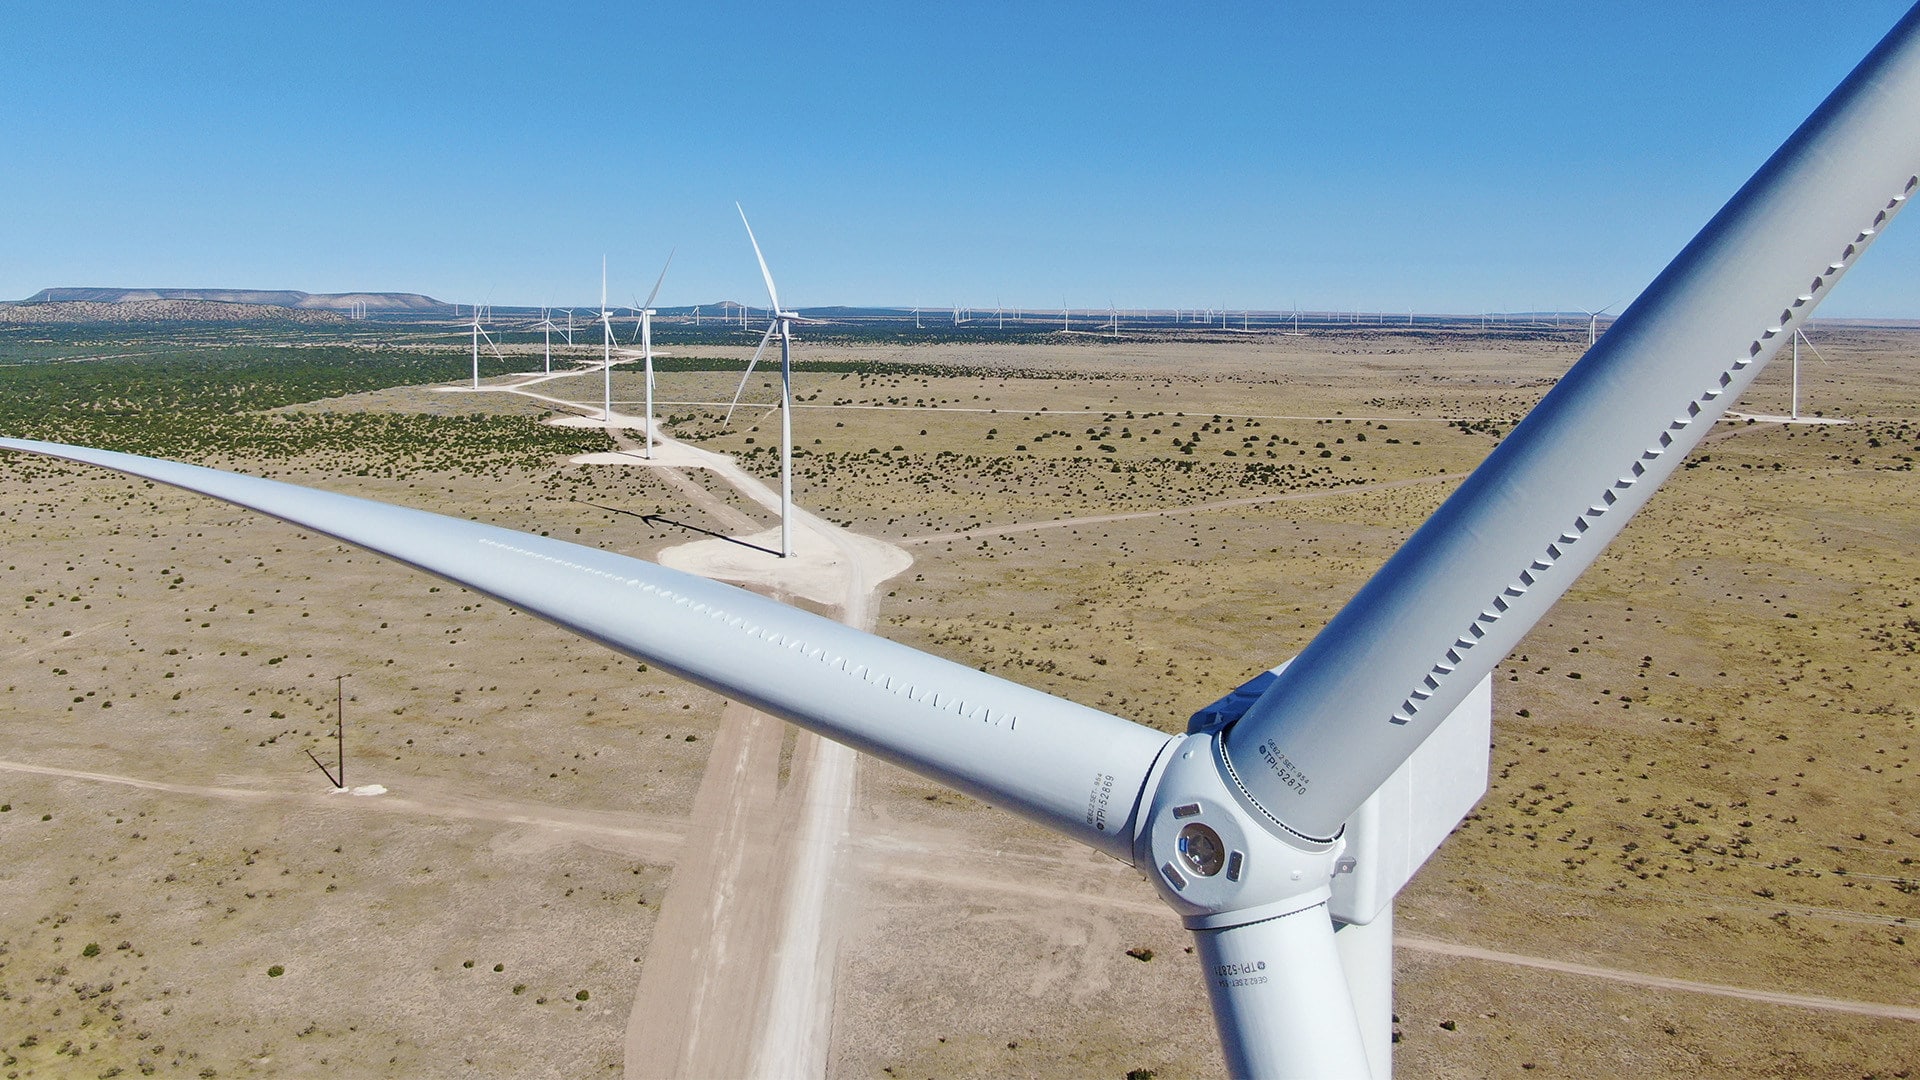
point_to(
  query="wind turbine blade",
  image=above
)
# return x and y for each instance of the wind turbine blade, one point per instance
(1458, 596)
(1001, 742)
(764, 272)
(663, 272)
(1804, 340)
(735, 403)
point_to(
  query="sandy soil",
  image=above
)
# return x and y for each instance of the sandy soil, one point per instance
(1652, 842)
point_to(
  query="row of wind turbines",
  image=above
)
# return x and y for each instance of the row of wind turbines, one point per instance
(781, 323)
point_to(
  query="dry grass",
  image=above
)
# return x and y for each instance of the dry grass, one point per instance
(1722, 793)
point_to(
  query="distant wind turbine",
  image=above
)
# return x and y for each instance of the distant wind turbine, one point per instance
(547, 327)
(782, 323)
(1800, 336)
(606, 367)
(644, 331)
(1593, 323)
(479, 333)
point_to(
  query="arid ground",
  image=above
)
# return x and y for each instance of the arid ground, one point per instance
(1700, 759)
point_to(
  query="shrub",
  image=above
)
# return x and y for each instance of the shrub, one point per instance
(276, 971)
(92, 949)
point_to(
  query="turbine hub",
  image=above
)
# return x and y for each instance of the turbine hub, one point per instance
(1209, 856)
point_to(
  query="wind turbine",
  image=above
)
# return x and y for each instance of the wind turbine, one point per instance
(782, 322)
(479, 334)
(606, 366)
(1799, 337)
(1593, 323)
(643, 330)
(1283, 822)
(547, 327)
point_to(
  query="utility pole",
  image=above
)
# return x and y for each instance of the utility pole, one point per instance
(337, 774)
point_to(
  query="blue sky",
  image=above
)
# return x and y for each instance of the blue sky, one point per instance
(1446, 157)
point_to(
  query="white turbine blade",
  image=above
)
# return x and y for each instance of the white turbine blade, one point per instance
(1804, 340)
(735, 403)
(764, 272)
(1280, 1000)
(663, 275)
(1451, 603)
(1001, 742)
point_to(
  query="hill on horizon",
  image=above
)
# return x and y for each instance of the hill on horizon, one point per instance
(286, 298)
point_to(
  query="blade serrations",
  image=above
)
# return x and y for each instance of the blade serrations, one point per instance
(1469, 584)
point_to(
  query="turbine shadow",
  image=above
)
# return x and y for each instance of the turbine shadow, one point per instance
(664, 520)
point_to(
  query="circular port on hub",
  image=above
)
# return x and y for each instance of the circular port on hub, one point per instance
(1201, 849)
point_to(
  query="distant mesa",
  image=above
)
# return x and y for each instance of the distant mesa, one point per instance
(77, 305)
(286, 298)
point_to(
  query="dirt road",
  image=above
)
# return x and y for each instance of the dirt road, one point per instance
(739, 978)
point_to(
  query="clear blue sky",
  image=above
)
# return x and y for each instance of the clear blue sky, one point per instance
(1447, 157)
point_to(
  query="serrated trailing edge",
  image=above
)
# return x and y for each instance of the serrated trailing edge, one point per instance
(1469, 583)
(1724, 383)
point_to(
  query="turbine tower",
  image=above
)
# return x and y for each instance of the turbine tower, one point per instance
(606, 366)
(1593, 323)
(480, 334)
(547, 327)
(644, 331)
(1799, 338)
(782, 323)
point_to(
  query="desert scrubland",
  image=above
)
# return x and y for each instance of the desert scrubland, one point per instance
(1702, 759)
